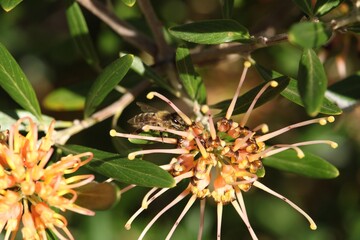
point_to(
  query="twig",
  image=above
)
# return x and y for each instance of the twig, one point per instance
(219, 51)
(164, 50)
(124, 29)
(61, 137)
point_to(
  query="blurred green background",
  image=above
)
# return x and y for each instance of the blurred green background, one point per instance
(37, 35)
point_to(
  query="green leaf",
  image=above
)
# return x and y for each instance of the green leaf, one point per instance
(9, 116)
(8, 5)
(349, 87)
(15, 83)
(106, 81)
(80, 33)
(97, 196)
(244, 101)
(312, 81)
(192, 82)
(129, 3)
(305, 6)
(309, 34)
(354, 28)
(119, 167)
(309, 166)
(292, 94)
(64, 99)
(322, 7)
(227, 7)
(147, 72)
(211, 32)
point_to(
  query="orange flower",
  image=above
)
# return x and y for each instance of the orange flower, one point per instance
(220, 160)
(30, 187)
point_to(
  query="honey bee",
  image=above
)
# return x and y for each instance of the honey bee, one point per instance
(154, 117)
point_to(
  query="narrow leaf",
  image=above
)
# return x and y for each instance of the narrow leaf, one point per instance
(8, 5)
(64, 99)
(192, 82)
(80, 33)
(147, 72)
(245, 100)
(309, 166)
(9, 116)
(349, 87)
(212, 32)
(322, 7)
(15, 83)
(227, 8)
(106, 81)
(309, 34)
(292, 94)
(129, 3)
(97, 196)
(312, 81)
(354, 28)
(305, 6)
(119, 167)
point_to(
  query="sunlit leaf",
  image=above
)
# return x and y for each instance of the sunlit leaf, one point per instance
(245, 100)
(211, 32)
(119, 167)
(129, 3)
(8, 5)
(227, 8)
(9, 116)
(80, 33)
(342, 101)
(309, 166)
(15, 83)
(292, 94)
(97, 196)
(322, 7)
(309, 34)
(106, 81)
(192, 82)
(64, 99)
(305, 6)
(312, 81)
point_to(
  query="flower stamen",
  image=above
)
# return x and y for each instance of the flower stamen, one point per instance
(266, 189)
(230, 110)
(321, 121)
(186, 119)
(114, 133)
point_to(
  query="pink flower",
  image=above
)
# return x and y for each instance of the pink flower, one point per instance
(221, 161)
(30, 187)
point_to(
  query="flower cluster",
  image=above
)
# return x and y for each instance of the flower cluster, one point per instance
(221, 160)
(31, 190)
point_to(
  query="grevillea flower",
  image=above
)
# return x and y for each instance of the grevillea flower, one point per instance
(221, 160)
(32, 191)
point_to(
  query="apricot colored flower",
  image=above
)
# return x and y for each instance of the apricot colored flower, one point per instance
(221, 160)
(33, 191)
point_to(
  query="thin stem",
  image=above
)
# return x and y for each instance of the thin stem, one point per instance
(217, 52)
(60, 137)
(163, 49)
(124, 29)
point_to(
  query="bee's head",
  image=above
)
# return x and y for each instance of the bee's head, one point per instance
(177, 121)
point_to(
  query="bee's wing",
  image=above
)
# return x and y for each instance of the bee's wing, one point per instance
(146, 108)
